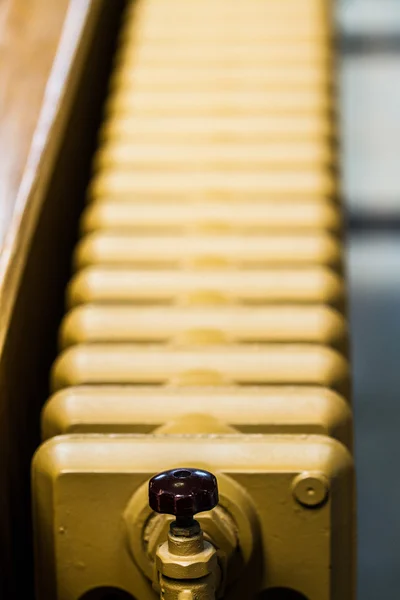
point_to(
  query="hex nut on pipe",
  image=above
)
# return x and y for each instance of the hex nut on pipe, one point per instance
(187, 566)
(218, 528)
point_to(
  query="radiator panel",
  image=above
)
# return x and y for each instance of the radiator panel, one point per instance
(173, 324)
(304, 364)
(250, 286)
(74, 476)
(138, 409)
(216, 103)
(202, 215)
(191, 250)
(206, 317)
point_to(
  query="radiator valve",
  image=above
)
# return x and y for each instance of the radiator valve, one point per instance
(187, 564)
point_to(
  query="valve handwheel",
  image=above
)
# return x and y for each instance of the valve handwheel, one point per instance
(183, 493)
(187, 564)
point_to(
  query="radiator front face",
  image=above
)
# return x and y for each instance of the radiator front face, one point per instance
(205, 321)
(91, 515)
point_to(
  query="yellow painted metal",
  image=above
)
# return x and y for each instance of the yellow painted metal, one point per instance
(205, 588)
(140, 409)
(82, 486)
(136, 214)
(235, 186)
(91, 323)
(180, 559)
(207, 319)
(195, 424)
(262, 54)
(210, 130)
(205, 286)
(200, 250)
(298, 156)
(269, 49)
(158, 364)
(268, 31)
(219, 103)
(284, 9)
(241, 11)
(209, 77)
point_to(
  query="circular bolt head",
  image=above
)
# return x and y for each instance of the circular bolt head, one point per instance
(311, 489)
(183, 492)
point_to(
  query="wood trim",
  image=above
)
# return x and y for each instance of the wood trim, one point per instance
(35, 263)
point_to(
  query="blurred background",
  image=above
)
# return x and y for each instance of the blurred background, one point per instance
(370, 121)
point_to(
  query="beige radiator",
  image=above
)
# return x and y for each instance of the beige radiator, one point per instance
(206, 322)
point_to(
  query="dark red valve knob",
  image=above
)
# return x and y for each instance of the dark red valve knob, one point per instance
(183, 492)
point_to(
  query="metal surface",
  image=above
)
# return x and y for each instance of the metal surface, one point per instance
(206, 286)
(216, 215)
(203, 325)
(158, 364)
(216, 302)
(125, 409)
(369, 94)
(74, 476)
(115, 248)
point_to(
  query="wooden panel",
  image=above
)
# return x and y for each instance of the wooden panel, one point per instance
(29, 34)
(35, 262)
